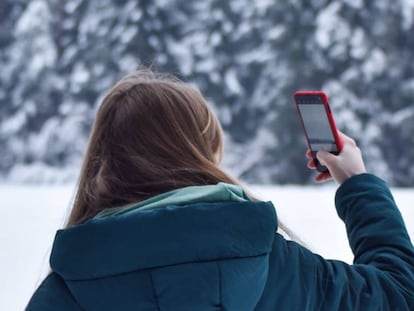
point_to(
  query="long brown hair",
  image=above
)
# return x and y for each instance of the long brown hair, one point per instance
(152, 133)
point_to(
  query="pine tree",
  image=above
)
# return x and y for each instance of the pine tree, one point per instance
(59, 57)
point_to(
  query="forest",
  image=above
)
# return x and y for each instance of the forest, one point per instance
(58, 58)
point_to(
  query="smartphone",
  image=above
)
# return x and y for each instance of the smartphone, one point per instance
(318, 124)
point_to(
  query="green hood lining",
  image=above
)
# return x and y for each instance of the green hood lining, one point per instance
(183, 196)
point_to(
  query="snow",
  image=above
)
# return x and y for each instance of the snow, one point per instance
(80, 74)
(275, 32)
(358, 48)
(37, 10)
(13, 123)
(247, 56)
(181, 51)
(326, 22)
(375, 64)
(263, 5)
(30, 215)
(408, 12)
(233, 83)
(215, 39)
(260, 55)
(207, 65)
(37, 42)
(400, 116)
(72, 6)
(242, 157)
(357, 4)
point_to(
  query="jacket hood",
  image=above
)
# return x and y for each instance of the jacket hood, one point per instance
(151, 238)
(183, 196)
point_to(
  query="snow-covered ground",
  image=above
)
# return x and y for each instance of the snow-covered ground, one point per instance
(30, 215)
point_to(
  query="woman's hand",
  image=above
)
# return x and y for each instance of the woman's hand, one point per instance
(348, 163)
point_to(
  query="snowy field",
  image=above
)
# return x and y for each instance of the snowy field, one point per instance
(30, 215)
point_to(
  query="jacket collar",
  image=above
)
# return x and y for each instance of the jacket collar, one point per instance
(184, 196)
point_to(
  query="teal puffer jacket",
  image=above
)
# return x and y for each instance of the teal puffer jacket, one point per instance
(228, 256)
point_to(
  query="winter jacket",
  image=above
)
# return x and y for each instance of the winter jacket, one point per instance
(225, 254)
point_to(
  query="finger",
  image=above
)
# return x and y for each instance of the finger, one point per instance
(325, 158)
(345, 138)
(309, 154)
(311, 164)
(322, 177)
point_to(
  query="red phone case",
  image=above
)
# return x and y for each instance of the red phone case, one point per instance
(331, 120)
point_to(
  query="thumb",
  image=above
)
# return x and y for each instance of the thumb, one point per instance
(325, 158)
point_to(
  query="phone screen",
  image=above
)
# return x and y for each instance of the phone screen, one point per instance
(317, 126)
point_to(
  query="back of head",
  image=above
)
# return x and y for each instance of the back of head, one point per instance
(152, 134)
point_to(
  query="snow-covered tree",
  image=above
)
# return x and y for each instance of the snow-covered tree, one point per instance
(248, 57)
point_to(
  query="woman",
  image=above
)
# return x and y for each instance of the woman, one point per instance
(157, 225)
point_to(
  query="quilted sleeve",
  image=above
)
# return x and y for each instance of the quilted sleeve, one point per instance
(382, 276)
